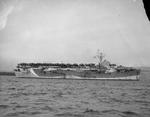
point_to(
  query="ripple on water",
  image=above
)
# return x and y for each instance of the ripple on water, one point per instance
(3, 106)
(22, 113)
(21, 106)
(96, 113)
(131, 114)
(48, 108)
(73, 98)
(68, 114)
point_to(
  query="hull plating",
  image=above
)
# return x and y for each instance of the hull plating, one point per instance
(34, 74)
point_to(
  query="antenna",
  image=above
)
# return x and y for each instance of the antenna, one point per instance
(100, 57)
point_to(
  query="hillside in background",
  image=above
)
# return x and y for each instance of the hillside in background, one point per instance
(7, 73)
(145, 68)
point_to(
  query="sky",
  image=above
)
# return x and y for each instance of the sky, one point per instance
(71, 31)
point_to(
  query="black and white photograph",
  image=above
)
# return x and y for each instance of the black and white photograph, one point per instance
(74, 58)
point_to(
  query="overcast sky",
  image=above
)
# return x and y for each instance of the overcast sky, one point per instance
(71, 31)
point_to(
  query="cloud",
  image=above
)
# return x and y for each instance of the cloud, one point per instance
(4, 16)
(72, 32)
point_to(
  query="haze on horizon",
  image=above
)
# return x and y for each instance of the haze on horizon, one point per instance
(71, 31)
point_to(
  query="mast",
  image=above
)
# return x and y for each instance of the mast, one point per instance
(100, 57)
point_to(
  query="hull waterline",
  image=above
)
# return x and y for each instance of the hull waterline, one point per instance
(32, 74)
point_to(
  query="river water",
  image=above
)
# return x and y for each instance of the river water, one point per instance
(20, 97)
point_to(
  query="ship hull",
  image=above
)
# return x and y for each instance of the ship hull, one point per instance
(35, 73)
(32, 74)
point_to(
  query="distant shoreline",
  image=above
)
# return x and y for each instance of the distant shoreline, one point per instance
(7, 73)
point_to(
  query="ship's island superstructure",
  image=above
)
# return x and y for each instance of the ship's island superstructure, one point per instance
(103, 71)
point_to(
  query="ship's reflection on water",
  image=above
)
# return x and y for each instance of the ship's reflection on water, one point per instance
(74, 98)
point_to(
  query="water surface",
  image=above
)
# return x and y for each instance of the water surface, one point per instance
(20, 97)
